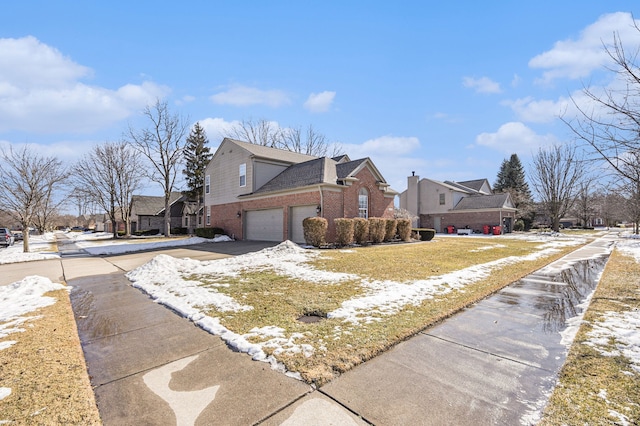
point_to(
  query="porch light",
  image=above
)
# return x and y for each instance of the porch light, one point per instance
(239, 214)
(318, 209)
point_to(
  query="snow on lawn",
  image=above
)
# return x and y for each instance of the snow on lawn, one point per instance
(101, 247)
(39, 246)
(623, 326)
(17, 300)
(171, 282)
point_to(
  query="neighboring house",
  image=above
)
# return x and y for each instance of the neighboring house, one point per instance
(255, 192)
(191, 216)
(470, 204)
(147, 212)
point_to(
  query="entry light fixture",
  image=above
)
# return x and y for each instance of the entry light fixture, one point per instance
(239, 214)
(318, 209)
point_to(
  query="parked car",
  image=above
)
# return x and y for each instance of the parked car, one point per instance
(17, 235)
(6, 237)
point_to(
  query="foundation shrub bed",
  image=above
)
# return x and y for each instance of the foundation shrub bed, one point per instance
(391, 226)
(377, 229)
(360, 230)
(315, 230)
(344, 231)
(209, 232)
(404, 229)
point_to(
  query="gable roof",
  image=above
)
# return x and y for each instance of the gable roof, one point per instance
(299, 175)
(149, 205)
(268, 152)
(483, 201)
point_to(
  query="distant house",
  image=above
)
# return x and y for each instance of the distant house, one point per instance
(255, 192)
(469, 204)
(147, 212)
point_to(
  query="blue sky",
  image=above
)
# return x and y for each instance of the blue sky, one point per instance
(446, 90)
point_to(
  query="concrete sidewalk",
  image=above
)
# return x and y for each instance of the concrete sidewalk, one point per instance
(493, 363)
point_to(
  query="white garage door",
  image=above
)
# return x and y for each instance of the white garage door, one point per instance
(264, 225)
(297, 215)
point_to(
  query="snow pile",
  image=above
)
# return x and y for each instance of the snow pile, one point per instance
(127, 246)
(18, 299)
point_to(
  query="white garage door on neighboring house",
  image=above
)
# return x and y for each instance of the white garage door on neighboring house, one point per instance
(264, 225)
(296, 216)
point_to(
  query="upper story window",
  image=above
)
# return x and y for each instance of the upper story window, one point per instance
(243, 174)
(442, 199)
(363, 203)
(207, 184)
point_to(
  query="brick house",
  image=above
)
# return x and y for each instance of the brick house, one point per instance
(469, 204)
(255, 192)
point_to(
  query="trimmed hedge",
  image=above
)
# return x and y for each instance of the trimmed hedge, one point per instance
(315, 230)
(377, 229)
(147, 232)
(426, 234)
(404, 229)
(178, 230)
(519, 225)
(391, 226)
(209, 233)
(344, 231)
(360, 230)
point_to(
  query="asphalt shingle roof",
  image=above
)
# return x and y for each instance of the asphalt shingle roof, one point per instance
(148, 205)
(298, 175)
(475, 202)
(344, 170)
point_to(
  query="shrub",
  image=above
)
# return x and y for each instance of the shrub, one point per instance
(390, 229)
(209, 233)
(315, 230)
(425, 233)
(360, 230)
(519, 225)
(147, 232)
(178, 230)
(404, 229)
(377, 229)
(344, 231)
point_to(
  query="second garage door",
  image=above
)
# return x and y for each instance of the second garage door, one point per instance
(297, 215)
(264, 225)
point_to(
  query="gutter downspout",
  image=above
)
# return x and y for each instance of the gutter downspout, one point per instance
(321, 201)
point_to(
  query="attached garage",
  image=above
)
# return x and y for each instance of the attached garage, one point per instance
(264, 225)
(296, 216)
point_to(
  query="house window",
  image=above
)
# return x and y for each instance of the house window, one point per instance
(243, 174)
(363, 203)
(207, 184)
(186, 221)
(442, 199)
(208, 215)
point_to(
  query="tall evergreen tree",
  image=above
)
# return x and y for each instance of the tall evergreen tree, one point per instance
(197, 155)
(511, 179)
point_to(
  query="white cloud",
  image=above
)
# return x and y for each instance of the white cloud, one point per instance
(482, 84)
(217, 128)
(514, 137)
(576, 59)
(41, 92)
(238, 95)
(320, 102)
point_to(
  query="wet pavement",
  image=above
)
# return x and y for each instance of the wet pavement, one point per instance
(493, 363)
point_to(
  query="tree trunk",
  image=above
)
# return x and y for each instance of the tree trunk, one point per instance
(25, 238)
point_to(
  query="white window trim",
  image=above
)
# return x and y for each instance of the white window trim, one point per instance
(207, 184)
(243, 174)
(363, 212)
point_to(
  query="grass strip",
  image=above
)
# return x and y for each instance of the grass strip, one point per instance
(595, 389)
(46, 372)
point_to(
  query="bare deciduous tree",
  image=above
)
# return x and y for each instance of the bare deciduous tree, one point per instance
(109, 175)
(557, 171)
(267, 133)
(29, 184)
(162, 144)
(611, 127)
